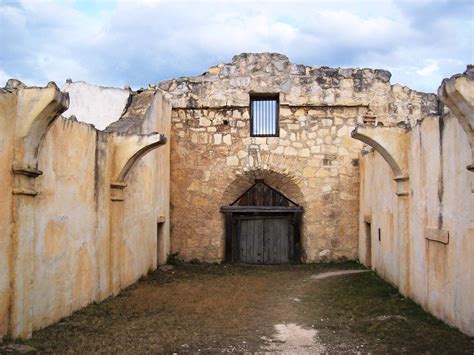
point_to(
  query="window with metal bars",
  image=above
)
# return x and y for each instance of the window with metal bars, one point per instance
(264, 113)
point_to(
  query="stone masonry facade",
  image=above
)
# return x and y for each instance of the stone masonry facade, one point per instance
(314, 161)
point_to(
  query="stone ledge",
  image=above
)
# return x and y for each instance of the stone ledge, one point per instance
(30, 172)
(437, 235)
(26, 192)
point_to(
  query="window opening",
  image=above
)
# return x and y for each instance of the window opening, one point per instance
(264, 113)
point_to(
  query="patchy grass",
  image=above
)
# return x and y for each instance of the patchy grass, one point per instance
(363, 312)
(224, 308)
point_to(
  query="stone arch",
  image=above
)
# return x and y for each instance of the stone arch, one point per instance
(130, 149)
(391, 144)
(388, 142)
(283, 182)
(37, 109)
(137, 156)
(457, 94)
(272, 210)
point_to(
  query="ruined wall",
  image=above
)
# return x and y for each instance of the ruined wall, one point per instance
(66, 247)
(76, 230)
(94, 104)
(7, 129)
(434, 264)
(380, 217)
(313, 161)
(139, 252)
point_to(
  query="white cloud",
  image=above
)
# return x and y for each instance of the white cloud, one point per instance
(429, 69)
(118, 42)
(4, 77)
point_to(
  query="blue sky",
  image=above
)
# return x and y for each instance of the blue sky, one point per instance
(113, 43)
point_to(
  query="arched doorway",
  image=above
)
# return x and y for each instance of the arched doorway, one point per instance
(262, 227)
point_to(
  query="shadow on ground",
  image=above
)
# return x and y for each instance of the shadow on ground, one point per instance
(229, 308)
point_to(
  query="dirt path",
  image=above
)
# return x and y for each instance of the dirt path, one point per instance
(229, 308)
(325, 275)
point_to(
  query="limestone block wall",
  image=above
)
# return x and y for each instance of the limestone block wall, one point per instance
(314, 161)
(74, 229)
(430, 255)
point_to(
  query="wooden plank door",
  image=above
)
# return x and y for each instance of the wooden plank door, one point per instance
(276, 241)
(251, 241)
(265, 241)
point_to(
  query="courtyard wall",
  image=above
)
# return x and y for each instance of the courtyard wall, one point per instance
(73, 227)
(425, 245)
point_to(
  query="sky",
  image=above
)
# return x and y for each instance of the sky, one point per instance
(125, 42)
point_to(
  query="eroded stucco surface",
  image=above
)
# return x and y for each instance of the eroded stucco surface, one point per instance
(430, 258)
(75, 227)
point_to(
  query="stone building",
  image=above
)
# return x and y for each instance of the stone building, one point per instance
(259, 160)
(313, 160)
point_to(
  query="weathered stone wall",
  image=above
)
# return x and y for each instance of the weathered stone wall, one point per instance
(427, 243)
(76, 231)
(313, 161)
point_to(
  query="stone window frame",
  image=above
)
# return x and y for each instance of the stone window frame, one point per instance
(261, 97)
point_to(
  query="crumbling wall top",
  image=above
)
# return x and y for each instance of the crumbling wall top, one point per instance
(229, 85)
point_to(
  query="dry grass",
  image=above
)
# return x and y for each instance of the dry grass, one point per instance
(216, 308)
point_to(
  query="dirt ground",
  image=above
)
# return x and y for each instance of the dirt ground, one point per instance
(236, 308)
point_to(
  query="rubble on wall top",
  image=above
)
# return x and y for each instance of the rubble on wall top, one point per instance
(468, 73)
(279, 68)
(229, 84)
(251, 62)
(15, 85)
(253, 56)
(281, 63)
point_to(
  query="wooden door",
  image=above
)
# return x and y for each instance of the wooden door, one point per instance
(276, 241)
(265, 240)
(251, 241)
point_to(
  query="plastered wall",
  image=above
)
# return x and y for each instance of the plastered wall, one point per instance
(74, 229)
(431, 259)
(7, 127)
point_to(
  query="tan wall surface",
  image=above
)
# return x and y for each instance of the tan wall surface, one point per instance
(142, 248)
(67, 249)
(80, 230)
(440, 202)
(7, 129)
